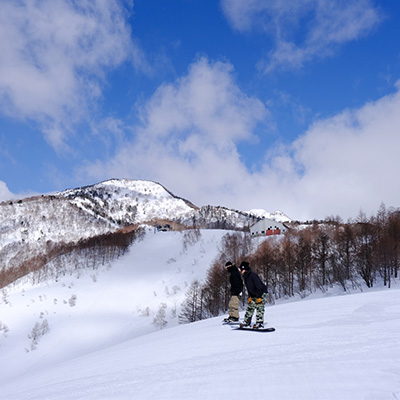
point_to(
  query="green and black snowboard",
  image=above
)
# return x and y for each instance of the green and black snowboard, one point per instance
(250, 328)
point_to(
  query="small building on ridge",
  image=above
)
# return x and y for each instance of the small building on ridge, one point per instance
(268, 227)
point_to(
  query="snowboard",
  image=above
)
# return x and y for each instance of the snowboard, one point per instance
(233, 323)
(249, 328)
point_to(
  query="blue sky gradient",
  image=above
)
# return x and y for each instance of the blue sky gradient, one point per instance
(246, 104)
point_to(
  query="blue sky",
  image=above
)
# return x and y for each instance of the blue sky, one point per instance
(247, 104)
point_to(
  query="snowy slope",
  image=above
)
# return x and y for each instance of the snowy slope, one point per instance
(342, 347)
(93, 310)
(27, 225)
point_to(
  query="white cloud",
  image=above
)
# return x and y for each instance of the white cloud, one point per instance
(206, 102)
(339, 166)
(5, 193)
(322, 26)
(54, 57)
(350, 162)
(189, 134)
(192, 129)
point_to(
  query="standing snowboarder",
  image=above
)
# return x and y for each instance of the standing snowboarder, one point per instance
(236, 282)
(257, 292)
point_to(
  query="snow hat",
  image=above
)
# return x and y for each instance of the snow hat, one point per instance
(244, 266)
(228, 264)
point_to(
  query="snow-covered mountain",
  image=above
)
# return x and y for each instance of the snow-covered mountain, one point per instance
(276, 215)
(106, 207)
(124, 201)
(30, 227)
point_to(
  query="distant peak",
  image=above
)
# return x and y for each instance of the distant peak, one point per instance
(276, 215)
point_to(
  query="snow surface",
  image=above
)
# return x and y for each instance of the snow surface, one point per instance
(106, 346)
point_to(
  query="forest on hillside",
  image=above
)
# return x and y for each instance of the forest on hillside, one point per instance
(59, 258)
(306, 258)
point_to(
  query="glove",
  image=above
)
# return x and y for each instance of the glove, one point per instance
(259, 300)
(250, 300)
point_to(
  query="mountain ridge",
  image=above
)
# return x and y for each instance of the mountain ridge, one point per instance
(37, 228)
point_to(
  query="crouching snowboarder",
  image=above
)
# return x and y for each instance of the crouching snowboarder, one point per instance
(236, 290)
(257, 292)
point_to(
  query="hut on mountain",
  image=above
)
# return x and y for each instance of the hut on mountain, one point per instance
(268, 227)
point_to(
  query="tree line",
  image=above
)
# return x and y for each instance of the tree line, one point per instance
(310, 257)
(59, 258)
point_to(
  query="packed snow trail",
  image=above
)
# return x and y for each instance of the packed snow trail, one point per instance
(342, 347)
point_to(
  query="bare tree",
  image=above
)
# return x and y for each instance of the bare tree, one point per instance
(365, 241)
(159, 320)
(192, 307)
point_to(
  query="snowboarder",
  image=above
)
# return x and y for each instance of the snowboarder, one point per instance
(257, 292)
(236, 282)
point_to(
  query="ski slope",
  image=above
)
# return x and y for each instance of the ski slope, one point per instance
(106, 347)
(342, 347)
(93, 309)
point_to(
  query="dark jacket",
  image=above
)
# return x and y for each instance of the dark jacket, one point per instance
(255, 286)
(235, 280)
